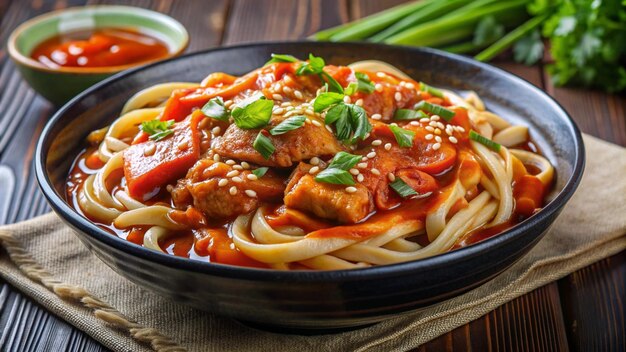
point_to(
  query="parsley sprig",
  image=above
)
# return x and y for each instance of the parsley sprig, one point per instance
(157, 129)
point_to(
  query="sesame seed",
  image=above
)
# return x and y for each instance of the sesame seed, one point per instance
(285, 104)
(149, 150)
(230, 162)
(252, 177)
(375, 172)
(329, 129)
(371, 155)
(216, 130)
(398, 96)
(377, 117)
(428, 137)
(360, 177)
(228, 103)
(308, 121)
(435, 118)
(277, 96)
(204, 123)
(232, 173)
(245, 165)
(410, 85)
(216, 157)
(233, 190)
(377, 142)
(314, 161)
(361, 165)
(460, 129)
(314, 170)
(298, 111)
(183, 145)
(222, 182)
(436, 146)
(378, 87)
(316, 123)
(250, 193)
(430, 128)
(238, 167)
(391, 177)
(433, 123)
(279, 111)
(367, 135)
(414, 123)
(309, 112)
(380, 74)
(453, 139)
(441, 125)
(387, 146)
(438, 139)
(298, 94)
(437, 131)
(347, 100)
(449, 131)
(237, 179)
(355, 172)
(359, 102)
(287, 90)
(424, 119)
(403, 83)
(350, 189)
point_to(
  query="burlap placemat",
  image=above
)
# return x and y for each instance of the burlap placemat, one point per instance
(125, 317)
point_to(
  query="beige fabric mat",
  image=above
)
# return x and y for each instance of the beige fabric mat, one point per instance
(590, 228)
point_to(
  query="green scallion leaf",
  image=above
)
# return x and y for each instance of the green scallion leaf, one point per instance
(281, 58)
(287, 125)
(431, 90)
(336, 177)
(260, 172)
(254, 115)
(407, 114)
(446, 114)
(473, 135)
(344, 161)
(403, 189)
(215, 109)
(157, 129)
(364, 83)
(403, 137)
(264, 145)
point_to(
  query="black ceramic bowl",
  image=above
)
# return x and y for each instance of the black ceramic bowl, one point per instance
(315, 299)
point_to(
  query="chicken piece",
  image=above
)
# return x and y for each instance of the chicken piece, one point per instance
(202, 190)
(294, 146)
(325, 200)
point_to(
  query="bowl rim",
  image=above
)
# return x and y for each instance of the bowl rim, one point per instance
(68, 214)
(29, 62)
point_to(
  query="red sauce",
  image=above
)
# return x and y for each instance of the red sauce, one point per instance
(99, 48)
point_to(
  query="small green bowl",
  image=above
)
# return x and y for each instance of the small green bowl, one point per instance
(59, 85)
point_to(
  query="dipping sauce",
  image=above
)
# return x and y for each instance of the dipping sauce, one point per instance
(99, 48)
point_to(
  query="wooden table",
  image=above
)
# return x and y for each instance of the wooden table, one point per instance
(585, 311)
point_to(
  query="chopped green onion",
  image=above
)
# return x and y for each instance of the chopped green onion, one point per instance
(403, 189)
(287, 125)
(403, 137)
(281, 58)
(335, 176)
(446, 114)
(473, 135)
(260, 172)
(263, 145)
(344, 161)
(157, 129)
(407, 114)
(254, 115)
(214, 108)
(431, 90)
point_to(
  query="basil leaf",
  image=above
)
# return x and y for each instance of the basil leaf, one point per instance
(407, 114)
(446, 114)
(337, 112)
(351, 88)
(281, 58)
(473, 135)
(364, 83)
(287, 125)
(359, 121)
(263, 145)
(260, 172)
(343, 126)
(335, 176)
(315, 65)
(214, 108)
(333, 85)
(431, 90)
(403, 137)
(253, 115)
(402, 188)
(325, 100)
(157, 129)
(344, 161)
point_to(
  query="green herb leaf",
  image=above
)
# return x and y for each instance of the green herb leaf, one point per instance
(364, 83)
(325, 100)
(287, 125)
(263, 145)
(333, 85)
(473, 135)
(403, 189)
(335, 176)
(281, 58)
(488, 30)
(315, 66)
(446, 114)
(351, 88)
(529, 49)
(344, 161)
(431, 90)
(359, 122)
(214, 108)
(157, 129)
(260, 172)
(253, 115)
(403, 137)
(407, 114)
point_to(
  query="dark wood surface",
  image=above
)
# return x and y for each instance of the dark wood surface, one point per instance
(585, 311)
